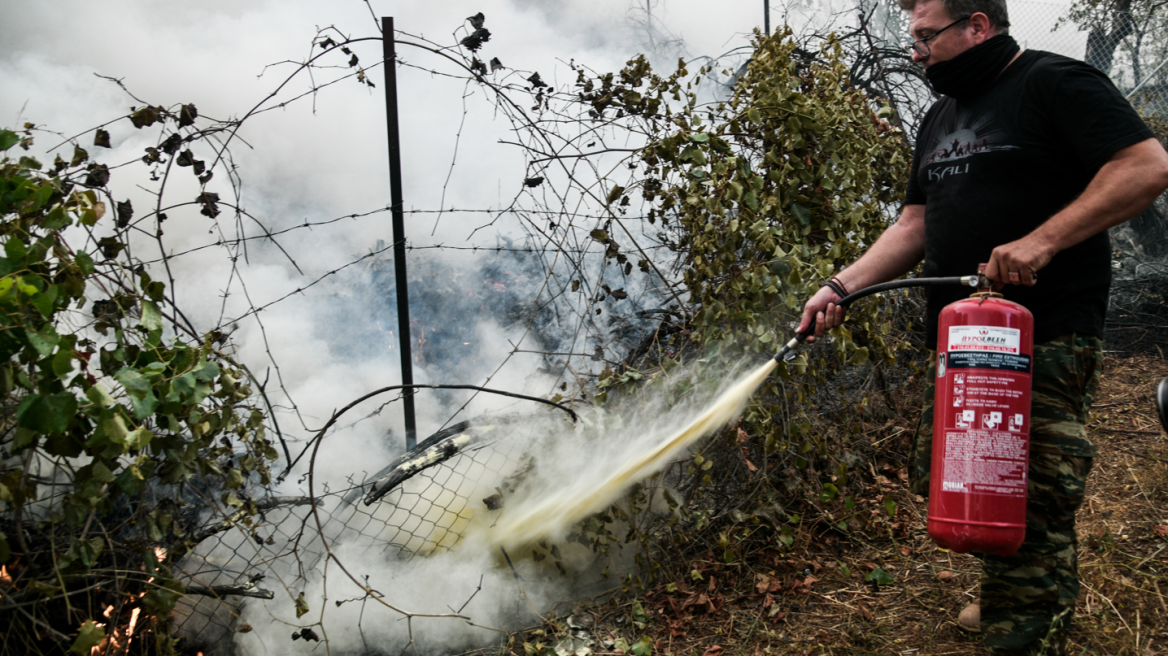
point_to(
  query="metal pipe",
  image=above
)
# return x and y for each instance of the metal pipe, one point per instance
(399, 239)
(1145, 80)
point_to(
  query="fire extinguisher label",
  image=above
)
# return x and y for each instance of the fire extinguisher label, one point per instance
(985, 461)
(986, 432)
(986, 347)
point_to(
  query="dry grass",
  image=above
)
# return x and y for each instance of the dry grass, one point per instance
(754, 595)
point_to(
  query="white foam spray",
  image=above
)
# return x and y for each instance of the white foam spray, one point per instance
(547, 516)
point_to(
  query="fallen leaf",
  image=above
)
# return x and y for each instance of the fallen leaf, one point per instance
(763, 585)
(750, 466)
(713, 651)
(1162, 531)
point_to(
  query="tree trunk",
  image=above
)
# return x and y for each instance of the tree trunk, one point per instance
(1101, 42)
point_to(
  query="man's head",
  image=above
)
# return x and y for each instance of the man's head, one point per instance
(969, 23)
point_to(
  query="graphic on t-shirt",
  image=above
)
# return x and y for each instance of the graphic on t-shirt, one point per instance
(971, 135)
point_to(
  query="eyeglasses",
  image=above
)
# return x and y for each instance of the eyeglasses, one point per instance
(921, 46)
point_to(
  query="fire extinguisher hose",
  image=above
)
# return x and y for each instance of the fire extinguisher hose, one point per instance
(788, 350)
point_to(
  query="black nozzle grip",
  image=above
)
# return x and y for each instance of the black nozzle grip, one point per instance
(802, 337)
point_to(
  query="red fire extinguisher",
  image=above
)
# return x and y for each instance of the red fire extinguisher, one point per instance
(981, 425)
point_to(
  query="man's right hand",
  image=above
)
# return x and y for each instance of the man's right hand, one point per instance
(823, 311)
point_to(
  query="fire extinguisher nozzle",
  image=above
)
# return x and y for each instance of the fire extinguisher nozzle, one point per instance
(787, 353)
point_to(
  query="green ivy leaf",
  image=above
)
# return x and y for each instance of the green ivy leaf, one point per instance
(801, 214)
(89, 636)
(101, 472)
(8, 139)
(141, 392)
(182, 389)
(642, 647)
(233, 480)
(15, 250)
(43, 344)
(151, 316)
(46, 414)
(205, 372)
(139, 438)
(84, 263)
(890, 506)
(162, 598)
(130, 480)
(880, 576)
(63, 363)
(113, 431)
(56, 219)
(100, 396)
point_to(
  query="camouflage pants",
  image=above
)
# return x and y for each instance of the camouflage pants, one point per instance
(1028, 599)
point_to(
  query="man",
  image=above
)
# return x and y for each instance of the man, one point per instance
(1024, 163)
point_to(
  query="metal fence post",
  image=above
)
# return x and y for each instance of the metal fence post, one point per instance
(399, 238)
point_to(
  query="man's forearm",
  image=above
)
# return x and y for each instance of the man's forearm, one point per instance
(1124, 186)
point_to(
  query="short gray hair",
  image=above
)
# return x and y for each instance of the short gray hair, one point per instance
(995, 10)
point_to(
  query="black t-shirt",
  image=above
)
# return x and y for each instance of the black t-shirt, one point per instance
(992, 169)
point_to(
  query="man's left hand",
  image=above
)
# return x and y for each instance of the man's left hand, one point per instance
(1018, 262)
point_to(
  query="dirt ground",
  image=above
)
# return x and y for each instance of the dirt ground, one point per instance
(754, 595)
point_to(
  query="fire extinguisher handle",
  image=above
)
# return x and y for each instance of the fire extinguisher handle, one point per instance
(788, 350)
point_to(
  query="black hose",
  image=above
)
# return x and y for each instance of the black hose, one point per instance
(968, 281)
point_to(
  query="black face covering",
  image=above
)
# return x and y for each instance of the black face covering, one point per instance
(973, 72)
